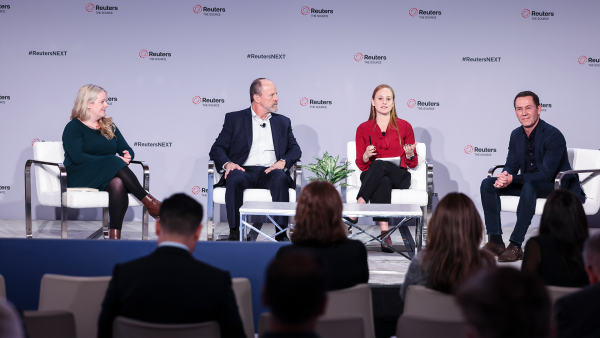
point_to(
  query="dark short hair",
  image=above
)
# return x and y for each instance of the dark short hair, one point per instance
(591, 252)
(295, 286)
(256, 88)
(319, 216)
(564, 219)
(503, 302)
(180, 214)
(526, 93)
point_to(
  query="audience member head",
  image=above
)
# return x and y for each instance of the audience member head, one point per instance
(180, 217)
(591, 256)
(319, 216)
(453, 237)
(295, 290)
(564, 219)
(87, 96)
(503, 302)
(10, 322)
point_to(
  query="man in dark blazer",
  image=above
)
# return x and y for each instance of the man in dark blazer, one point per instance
(169, 286)
(537, 152)
(577, 314)
(255, 150)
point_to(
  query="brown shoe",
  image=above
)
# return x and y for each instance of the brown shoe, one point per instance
(152, 204)
(511, 254)
(114, 234)
(495, 249)
(387, 241)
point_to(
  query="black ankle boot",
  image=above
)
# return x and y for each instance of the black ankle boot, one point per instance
(234, 234)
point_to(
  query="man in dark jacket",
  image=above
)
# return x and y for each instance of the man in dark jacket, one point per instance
(169, 286)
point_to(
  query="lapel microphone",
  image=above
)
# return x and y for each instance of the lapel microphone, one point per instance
(383, 133)
(263, 125)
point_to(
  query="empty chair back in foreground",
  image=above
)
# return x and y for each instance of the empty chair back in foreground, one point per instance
(130, 328)
(54, 323)
(354, 301)
(411, 327)
(344, 326)
(243, 296)
(2, 287)
(82, 296)
(424, 303)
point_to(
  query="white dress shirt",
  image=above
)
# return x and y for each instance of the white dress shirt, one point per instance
(262, 152)
(175, 245)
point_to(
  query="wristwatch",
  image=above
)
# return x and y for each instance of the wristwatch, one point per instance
(410, 158)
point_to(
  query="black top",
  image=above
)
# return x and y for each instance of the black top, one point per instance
(304, 334)
(529, 151)
(346, 262)
(577, 313)
(169, 286)
(543, 259)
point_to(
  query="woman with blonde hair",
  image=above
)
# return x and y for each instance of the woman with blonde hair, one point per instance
(91, 141)
(319, 229)
(383, 136)
(452, 254)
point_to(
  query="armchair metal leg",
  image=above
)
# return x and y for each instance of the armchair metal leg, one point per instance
(145, 224)
(28, 232)
(105, 222)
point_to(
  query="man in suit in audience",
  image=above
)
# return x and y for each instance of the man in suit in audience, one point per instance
(578, 314)
(255, 150)
(295, 290)
(503, 302)
(169, 286)
(537, 152)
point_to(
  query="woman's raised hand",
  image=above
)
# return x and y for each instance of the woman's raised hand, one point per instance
(409, 149)
(369, 152)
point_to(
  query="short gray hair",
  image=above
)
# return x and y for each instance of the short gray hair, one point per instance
(591, 252)
(256, 88)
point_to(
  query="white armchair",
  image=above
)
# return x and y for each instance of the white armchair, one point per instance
(586, 163)
(51, 183)
(217, 195)
(421, 186)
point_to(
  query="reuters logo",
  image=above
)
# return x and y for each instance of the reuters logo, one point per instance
(197, 99)
(582, 60)
(143, 53)
(35, 140)
(197, 9)
(413, 11)
(411, 103)
(358, 57)
(196, 190)
(89, 7)
(525, 13)
(303, 101)
(468, 149)
(305, 10)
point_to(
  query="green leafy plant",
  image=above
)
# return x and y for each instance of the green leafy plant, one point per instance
(327, 169)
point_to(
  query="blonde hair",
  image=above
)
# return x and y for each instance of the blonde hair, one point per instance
(89, 93)
(393, 116)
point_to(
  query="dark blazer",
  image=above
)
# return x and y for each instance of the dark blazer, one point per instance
(550, 154)
(234, 142)
(577, 314)
(346, 262)
(169, 286)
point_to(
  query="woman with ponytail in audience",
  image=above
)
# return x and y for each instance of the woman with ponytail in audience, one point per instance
(91, 142)
(555, 254)
(454, 234)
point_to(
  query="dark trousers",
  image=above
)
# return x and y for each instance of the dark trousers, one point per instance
(528, 192)
(254, 178)
(379, 180)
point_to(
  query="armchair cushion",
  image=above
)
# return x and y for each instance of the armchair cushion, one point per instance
(253, 195)
(81, 199)
(406, 196)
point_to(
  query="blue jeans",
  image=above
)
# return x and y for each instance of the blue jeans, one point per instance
(529, 192)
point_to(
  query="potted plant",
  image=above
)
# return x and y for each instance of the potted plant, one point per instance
(327, 169)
